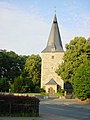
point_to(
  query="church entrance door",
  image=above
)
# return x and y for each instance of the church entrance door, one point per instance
(51, 91)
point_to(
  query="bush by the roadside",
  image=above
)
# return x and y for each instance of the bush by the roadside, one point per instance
(82, 82)
(39, 90)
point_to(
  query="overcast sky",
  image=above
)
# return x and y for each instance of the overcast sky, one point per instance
(25, 24)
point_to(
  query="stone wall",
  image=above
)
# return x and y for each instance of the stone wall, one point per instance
(50, 62)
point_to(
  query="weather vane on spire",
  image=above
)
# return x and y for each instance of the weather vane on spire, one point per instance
(55, 9)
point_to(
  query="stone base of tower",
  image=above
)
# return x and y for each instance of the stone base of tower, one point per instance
(49, 78)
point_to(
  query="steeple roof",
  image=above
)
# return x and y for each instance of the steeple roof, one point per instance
(54, 42)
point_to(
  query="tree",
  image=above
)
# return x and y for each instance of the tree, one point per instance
(74, 56)
(22, 72)
(87, 48)
(21, 85)
(82, 81)
(11, 65)
(4, 63)
(16, 65)
(4, 85)
(17, 85)
(33, 68)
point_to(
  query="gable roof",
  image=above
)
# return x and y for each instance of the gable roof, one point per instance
(51, 82)
(54, 42)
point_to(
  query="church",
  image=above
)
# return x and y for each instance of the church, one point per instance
(52, 56)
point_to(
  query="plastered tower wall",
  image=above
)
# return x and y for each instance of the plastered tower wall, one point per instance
(50, 62)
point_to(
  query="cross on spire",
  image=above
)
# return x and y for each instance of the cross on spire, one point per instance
(55, 9)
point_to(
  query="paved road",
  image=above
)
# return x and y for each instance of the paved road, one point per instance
(59, 110)
(66, 111)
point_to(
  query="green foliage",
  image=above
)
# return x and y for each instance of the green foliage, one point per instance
(60, 92)
(4, 85)
(33, 68)
(82, 81)
(42, 90)
(22, 72)
(87, 48)
(22, 85)
(11, 65)
(39, 90)
(75, 55)
(17, 85)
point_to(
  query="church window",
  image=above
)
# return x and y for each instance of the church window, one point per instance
(52, 57)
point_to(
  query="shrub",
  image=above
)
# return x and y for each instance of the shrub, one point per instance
(42, 90)
(4, 84)
(37, 89)
(82, 82)
(60, 92)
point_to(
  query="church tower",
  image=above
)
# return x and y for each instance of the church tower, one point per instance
(52, 56)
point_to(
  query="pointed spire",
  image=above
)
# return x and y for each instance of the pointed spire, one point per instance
(54, 42)
(55, 19)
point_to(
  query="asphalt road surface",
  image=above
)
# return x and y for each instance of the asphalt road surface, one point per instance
(59, 110)
(64, 112)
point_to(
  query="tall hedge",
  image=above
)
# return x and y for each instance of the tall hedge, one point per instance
(82, 81)
(18, 105)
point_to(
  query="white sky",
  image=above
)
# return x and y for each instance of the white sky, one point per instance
(25, 24)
